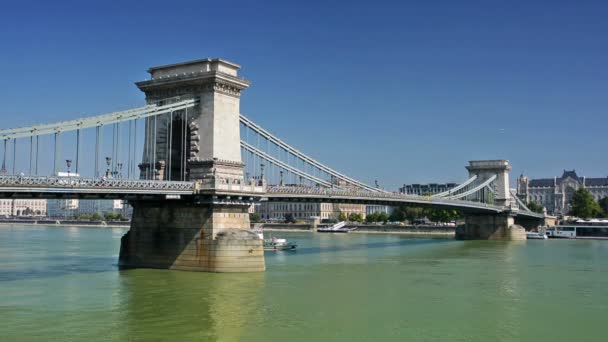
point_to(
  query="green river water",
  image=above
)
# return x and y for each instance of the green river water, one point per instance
(62, 284)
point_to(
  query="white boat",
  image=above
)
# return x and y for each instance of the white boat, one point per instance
(599, 232)
(274, 243)
(536, 236)
(336, 228)
(278, 244)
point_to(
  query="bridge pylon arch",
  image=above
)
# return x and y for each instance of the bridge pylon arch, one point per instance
(485, 169)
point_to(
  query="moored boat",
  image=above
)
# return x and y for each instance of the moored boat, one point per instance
(599, 232)
(274, 243)
(278, 244)
(536, 236)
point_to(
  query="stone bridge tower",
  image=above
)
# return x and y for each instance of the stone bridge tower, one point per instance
(210, 230)
(485, 169)
(500, 226)
(212, 130)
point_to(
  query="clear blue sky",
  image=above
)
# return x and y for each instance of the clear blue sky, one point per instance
(403, 92)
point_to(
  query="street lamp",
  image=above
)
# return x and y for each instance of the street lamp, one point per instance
(119, 165)
(68, 162)
(108, 162)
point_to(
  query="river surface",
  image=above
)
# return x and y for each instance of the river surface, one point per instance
(62, 284)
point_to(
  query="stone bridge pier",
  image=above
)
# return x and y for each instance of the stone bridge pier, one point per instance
(210, 230)
(488, 226)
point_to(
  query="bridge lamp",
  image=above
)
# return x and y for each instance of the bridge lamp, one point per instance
(68, 162)
(119, 165)
(108, 162)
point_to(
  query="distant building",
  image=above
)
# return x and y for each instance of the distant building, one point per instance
(23, 207)
(556, 193)
(68, 208)
(306, 210)
(370, 209)
(426, 189)
(62, 208)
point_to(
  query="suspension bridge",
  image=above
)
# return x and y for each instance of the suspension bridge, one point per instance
(191, 165)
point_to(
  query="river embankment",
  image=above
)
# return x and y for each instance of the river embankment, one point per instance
(65, 223)
(370, 229)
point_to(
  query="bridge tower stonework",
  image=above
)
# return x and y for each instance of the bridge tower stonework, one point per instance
(209, 231)
(499, 226)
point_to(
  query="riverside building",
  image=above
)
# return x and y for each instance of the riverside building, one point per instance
(556, 193)
(23, 207)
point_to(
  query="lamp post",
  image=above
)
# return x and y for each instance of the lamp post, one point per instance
(108, 162)
(68, 162)
(119, 165)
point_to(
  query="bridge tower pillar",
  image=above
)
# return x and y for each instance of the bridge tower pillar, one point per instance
(485, 169)
(499, 226)
(209, 231)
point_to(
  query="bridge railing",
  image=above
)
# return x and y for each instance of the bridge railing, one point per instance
(219, 185)
(93, 183)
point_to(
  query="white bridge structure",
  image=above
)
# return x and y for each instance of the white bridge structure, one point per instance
(191, 164)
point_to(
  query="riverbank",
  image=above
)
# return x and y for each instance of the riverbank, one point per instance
(401, 230)
(65, 223)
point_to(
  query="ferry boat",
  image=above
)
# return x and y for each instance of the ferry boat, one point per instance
(278, 244)
(274, 243)
(577, 232)
(336, 228)
(536, 236)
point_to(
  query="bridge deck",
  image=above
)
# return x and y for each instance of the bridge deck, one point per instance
(94, 188)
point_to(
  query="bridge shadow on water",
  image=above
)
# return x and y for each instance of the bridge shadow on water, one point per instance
(61, 266)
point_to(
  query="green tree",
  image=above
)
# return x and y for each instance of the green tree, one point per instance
(112, 216)
(604, 205)
(535, 207)
(254, 218)
(584, 205)
(382, 216)
(373, 217)
(95, 217)
(413, 213)
(398, 214)
(442, 215)
(355, 217)
(342, 217)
